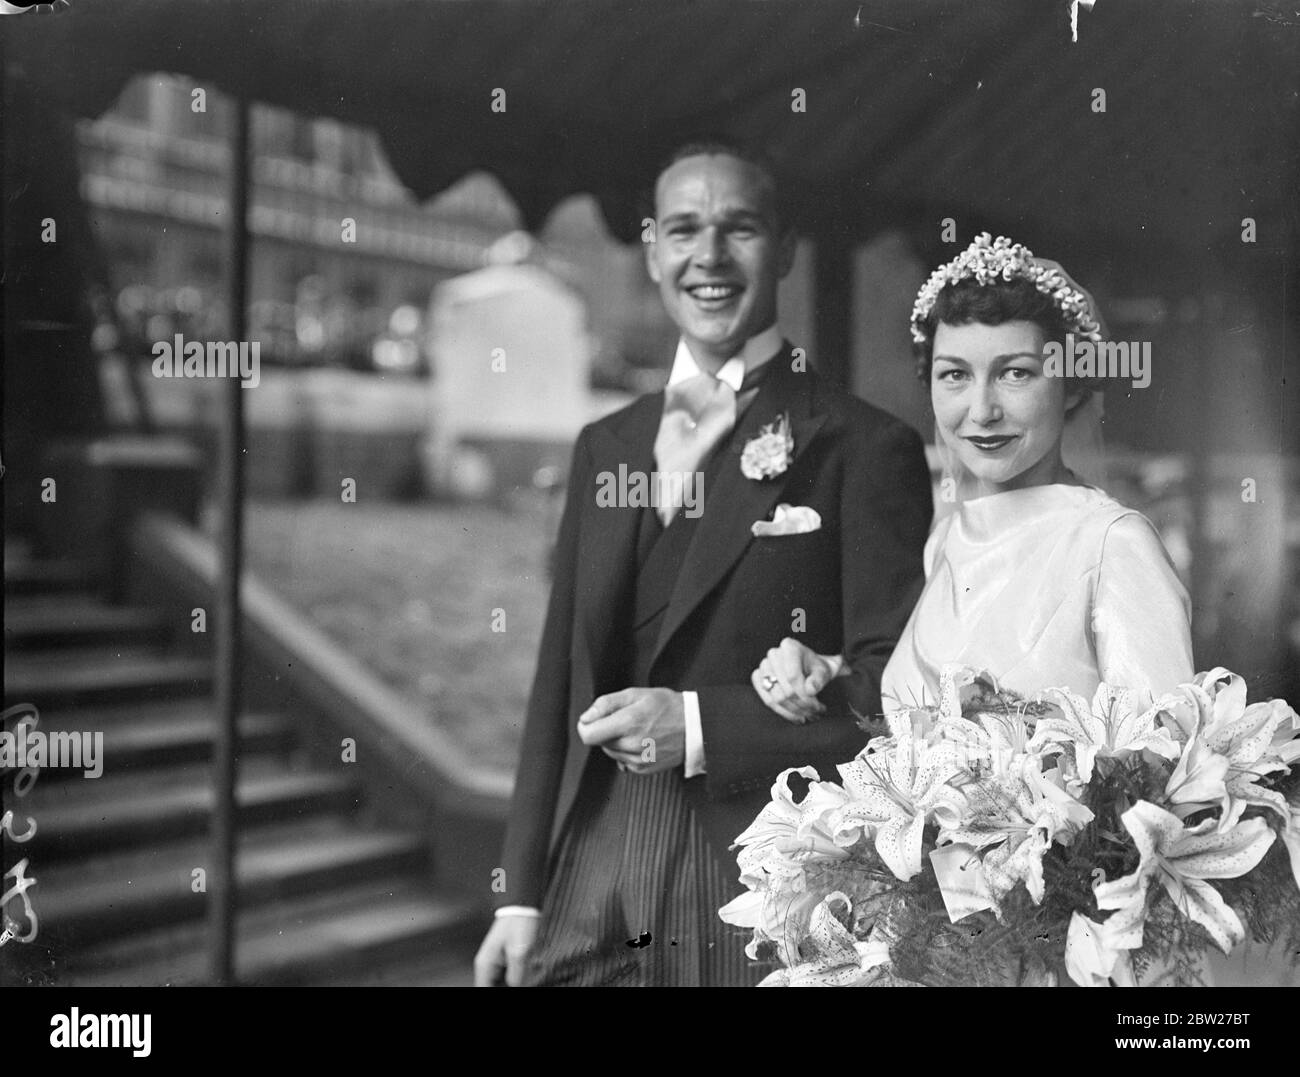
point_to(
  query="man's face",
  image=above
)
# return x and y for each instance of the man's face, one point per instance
(718, 254)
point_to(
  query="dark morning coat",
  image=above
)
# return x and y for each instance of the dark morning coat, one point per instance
(855, 581)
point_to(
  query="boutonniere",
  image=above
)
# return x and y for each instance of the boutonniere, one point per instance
(768, 453)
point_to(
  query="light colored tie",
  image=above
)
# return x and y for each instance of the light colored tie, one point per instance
(698, 413)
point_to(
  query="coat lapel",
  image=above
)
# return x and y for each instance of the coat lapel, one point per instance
(732, 502)
(607, 562)
(608, 554)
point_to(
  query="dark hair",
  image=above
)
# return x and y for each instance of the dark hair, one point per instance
(967, 301)
(713, 145)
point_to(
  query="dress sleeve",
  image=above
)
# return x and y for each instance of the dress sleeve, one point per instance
(1141, 615)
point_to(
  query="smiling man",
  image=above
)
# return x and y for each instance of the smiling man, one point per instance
(646, 747)
(720, 252)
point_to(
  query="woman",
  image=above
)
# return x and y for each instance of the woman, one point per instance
(1036, 576)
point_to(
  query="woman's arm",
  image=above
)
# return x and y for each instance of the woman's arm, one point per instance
(1141, 615)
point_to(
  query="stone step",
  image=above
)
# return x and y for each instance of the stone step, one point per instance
(25, 575)
(72, 676)
(157, 735)
(321, 899)
(51, 620)
(107, 715)
(351, 931)
(90, 901)
(77, 818)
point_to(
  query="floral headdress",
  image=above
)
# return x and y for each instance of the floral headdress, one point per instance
(988, 260)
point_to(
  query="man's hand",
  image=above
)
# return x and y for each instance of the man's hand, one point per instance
(790, 677)
(503, 951)
(643, 729)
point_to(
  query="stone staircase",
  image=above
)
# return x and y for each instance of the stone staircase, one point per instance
(327, 894)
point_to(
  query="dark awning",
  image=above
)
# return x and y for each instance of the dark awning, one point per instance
(981, 110)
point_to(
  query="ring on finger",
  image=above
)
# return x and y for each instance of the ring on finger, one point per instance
(768, 682)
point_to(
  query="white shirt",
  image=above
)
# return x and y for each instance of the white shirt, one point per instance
(758, 350)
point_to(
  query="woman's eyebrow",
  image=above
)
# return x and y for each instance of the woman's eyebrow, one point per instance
(996, 358)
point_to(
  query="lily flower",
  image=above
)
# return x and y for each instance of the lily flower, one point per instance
(1199, 780)
(1286, 740)
(1020, 813)
(990, 742)
(832, 956)
(776, 850)
(1195, 706)
(1256, 745)
(1182, 859)
(1291, 838)
(786, 837)
(778, 917)
(1119, 721)
(1094, 957)
(1254, 741)
(893, 791)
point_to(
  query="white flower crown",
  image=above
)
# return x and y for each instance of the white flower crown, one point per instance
(988, 260)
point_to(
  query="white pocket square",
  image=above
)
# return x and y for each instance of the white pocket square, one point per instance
(788, 520)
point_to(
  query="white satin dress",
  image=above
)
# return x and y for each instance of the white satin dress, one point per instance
(1047, 587)
(1056, 586)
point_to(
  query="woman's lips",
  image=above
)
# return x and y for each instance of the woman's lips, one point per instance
(992, 444)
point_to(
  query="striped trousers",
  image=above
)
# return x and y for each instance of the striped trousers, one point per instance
(634, 895)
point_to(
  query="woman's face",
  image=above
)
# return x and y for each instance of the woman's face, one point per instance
(996, 410)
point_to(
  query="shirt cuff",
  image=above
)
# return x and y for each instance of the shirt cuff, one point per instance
(516, 910)
(694, 735)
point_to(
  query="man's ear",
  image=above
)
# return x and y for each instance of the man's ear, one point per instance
(788, 244)
(650, 245)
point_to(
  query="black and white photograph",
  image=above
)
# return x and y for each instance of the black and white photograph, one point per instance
(697, 493)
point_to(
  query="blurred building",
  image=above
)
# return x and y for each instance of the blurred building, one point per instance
(338, 242)
(154, 175)
(344, 263)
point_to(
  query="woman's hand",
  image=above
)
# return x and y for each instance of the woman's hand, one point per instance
(790, 677)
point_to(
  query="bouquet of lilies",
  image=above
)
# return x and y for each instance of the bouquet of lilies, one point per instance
(994, 838)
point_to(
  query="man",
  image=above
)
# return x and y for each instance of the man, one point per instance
(646, 748)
